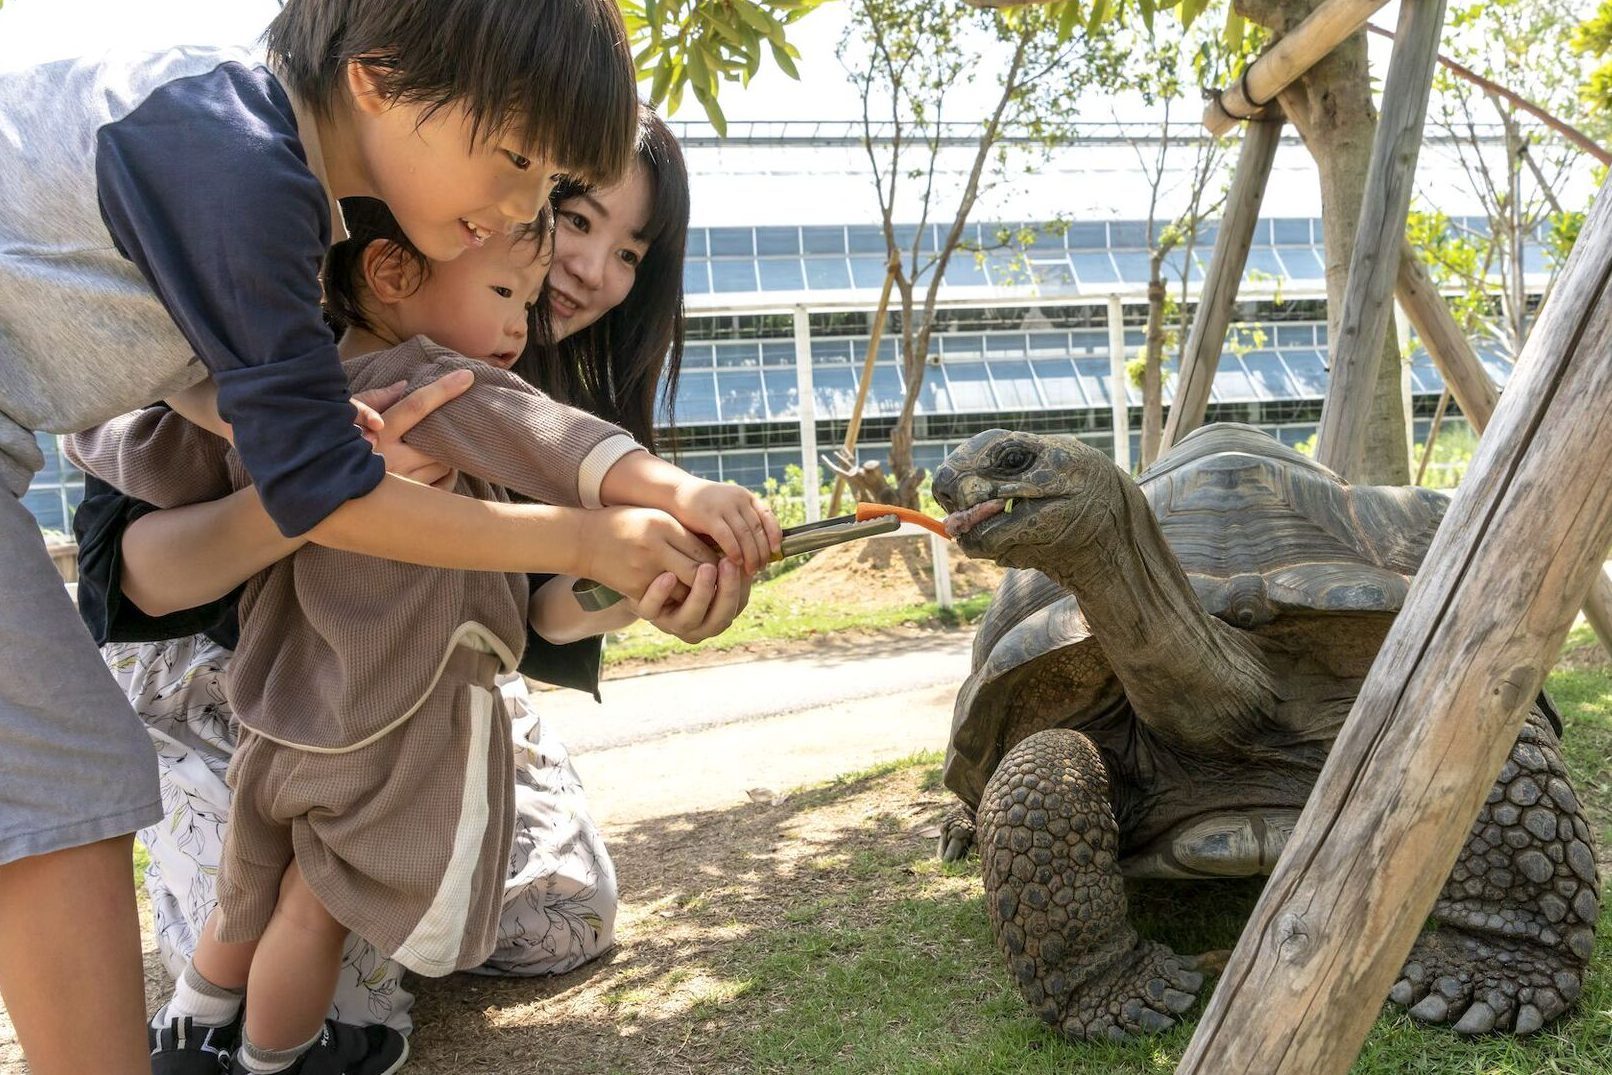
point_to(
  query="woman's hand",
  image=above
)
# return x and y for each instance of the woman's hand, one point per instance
(720, 592)
(739, 521)
(628, 549)
(386, 415)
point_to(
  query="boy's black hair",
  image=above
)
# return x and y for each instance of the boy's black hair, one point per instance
(614, 366)
(556, 74)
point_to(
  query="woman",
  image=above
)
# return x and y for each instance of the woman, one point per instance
(614, 306)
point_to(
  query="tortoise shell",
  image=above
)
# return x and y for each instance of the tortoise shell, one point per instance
(1262, 533)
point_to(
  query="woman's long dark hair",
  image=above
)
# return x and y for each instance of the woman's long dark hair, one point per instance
(613, 367)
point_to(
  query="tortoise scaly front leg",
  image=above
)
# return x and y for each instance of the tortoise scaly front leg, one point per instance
(1049, 848)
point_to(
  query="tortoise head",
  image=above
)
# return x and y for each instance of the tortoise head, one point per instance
(1016, 497)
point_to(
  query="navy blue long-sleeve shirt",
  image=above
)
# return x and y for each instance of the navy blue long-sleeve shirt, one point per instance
(160, 221)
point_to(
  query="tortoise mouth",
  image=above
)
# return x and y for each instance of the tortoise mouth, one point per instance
(972, 526)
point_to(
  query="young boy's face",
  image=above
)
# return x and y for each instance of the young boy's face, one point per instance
(448, 192)
(477, 304)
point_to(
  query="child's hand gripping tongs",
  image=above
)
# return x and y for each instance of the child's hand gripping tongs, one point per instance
(807, 537)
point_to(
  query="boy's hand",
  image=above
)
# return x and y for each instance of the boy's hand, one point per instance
(720, 592)
(627, 549)
(738, 520)
(399, 415)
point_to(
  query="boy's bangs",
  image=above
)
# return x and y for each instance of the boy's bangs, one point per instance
(555, 75)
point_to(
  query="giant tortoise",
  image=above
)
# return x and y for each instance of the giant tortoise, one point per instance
(1154, 691)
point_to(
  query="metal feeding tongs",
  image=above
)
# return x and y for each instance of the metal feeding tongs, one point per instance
(869, 520)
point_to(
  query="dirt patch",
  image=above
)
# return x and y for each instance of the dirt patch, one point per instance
(883, 573)
(698, 890)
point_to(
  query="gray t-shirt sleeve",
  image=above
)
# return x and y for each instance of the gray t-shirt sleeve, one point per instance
(205, 187)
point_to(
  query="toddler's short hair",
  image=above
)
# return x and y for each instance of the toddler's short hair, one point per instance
(556, 73)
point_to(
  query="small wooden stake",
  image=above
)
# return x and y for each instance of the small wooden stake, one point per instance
(1218, 296)
(1432, 434)
(854, 427)
(1441, 707)
(1340, 441)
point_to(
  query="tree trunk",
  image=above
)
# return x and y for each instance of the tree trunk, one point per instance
(1332, 110)
(1153, 365)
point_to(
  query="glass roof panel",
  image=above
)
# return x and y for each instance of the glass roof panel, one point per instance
(1094, 269)
(730, 276)
(970, 387)
(1087, 235)
(739, 397)
(696, 356)
(834, 391)
(1128, 234)
(1053, 275)
(1309, 371)
(1015, 387)
(781, 274)
(1304, 263)
(867, 272)
(886, 394)
(1425, 377)
(732, 242)
(783, 394)
(1263, 264)
(1231, 381)
(1270, 377)
(1004, 345)
(1058, 384)
(773, 240)
(832, 351)
(962, 271)
(1291, 231)
(1294, 336)
(743, 353)
(962, 346)
(696, 277)
(866, 239)
(826, 274)
(777, 352)
(823, 240)
(1499, 368)
(1054, 344)
(1094, 375)
(696, 397)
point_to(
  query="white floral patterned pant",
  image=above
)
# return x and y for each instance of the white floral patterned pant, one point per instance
(559, 899)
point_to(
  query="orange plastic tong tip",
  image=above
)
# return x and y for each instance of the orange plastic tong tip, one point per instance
(906, 515)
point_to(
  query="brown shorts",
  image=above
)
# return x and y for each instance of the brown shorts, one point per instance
(404, 840)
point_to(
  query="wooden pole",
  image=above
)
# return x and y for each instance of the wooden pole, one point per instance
(1119, 400)
(1218, 296)
(1439, 710)
(854, 427)
(1452, 352)
(1432, 434)
(1476, 394)
(808, 415)
(1340, 441)
(1284, 62)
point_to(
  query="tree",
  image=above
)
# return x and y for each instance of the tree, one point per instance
(699, 44)
(1523, 44)
(1165, 70)
(909, 59)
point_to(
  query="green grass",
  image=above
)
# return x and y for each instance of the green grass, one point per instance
(770, 618)
(891, 967)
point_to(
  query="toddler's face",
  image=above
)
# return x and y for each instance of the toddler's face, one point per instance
(449, 193)
(477, 304)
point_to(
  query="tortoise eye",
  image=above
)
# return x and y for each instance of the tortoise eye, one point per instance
(1014, 458)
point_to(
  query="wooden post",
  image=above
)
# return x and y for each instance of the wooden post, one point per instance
(1340, 439)
(1432, 434)
(854, 427)
(1119, 402)
(1439, 710)
(1476, 394)
(808, 415)
(1216, 299)
(1452, 353)
(1284, 62)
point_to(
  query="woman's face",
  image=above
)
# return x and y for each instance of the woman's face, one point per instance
(598, 245)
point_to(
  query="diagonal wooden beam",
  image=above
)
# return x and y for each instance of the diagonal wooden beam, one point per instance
(1286, 61)
(1439, 710)
(1357, 349)
(1218, 296)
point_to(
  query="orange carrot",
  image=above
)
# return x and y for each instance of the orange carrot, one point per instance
(906, 515)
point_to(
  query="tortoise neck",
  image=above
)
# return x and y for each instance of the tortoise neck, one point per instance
(1187, 675)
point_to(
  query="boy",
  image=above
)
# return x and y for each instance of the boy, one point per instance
(178, 206)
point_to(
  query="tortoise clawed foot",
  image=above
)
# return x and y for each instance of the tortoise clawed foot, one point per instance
(1143, 992)
(1478, 984)
(956, 834)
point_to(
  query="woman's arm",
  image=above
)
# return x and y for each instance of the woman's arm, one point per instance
(188, 556)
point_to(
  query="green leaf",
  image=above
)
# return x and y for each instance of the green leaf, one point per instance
(1069, 16)
(781, 57)
(763, 23)
(713, 111)
(1236, 30)
(699, 73)
(652, 13)
(1099, 13)
(663, 78)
